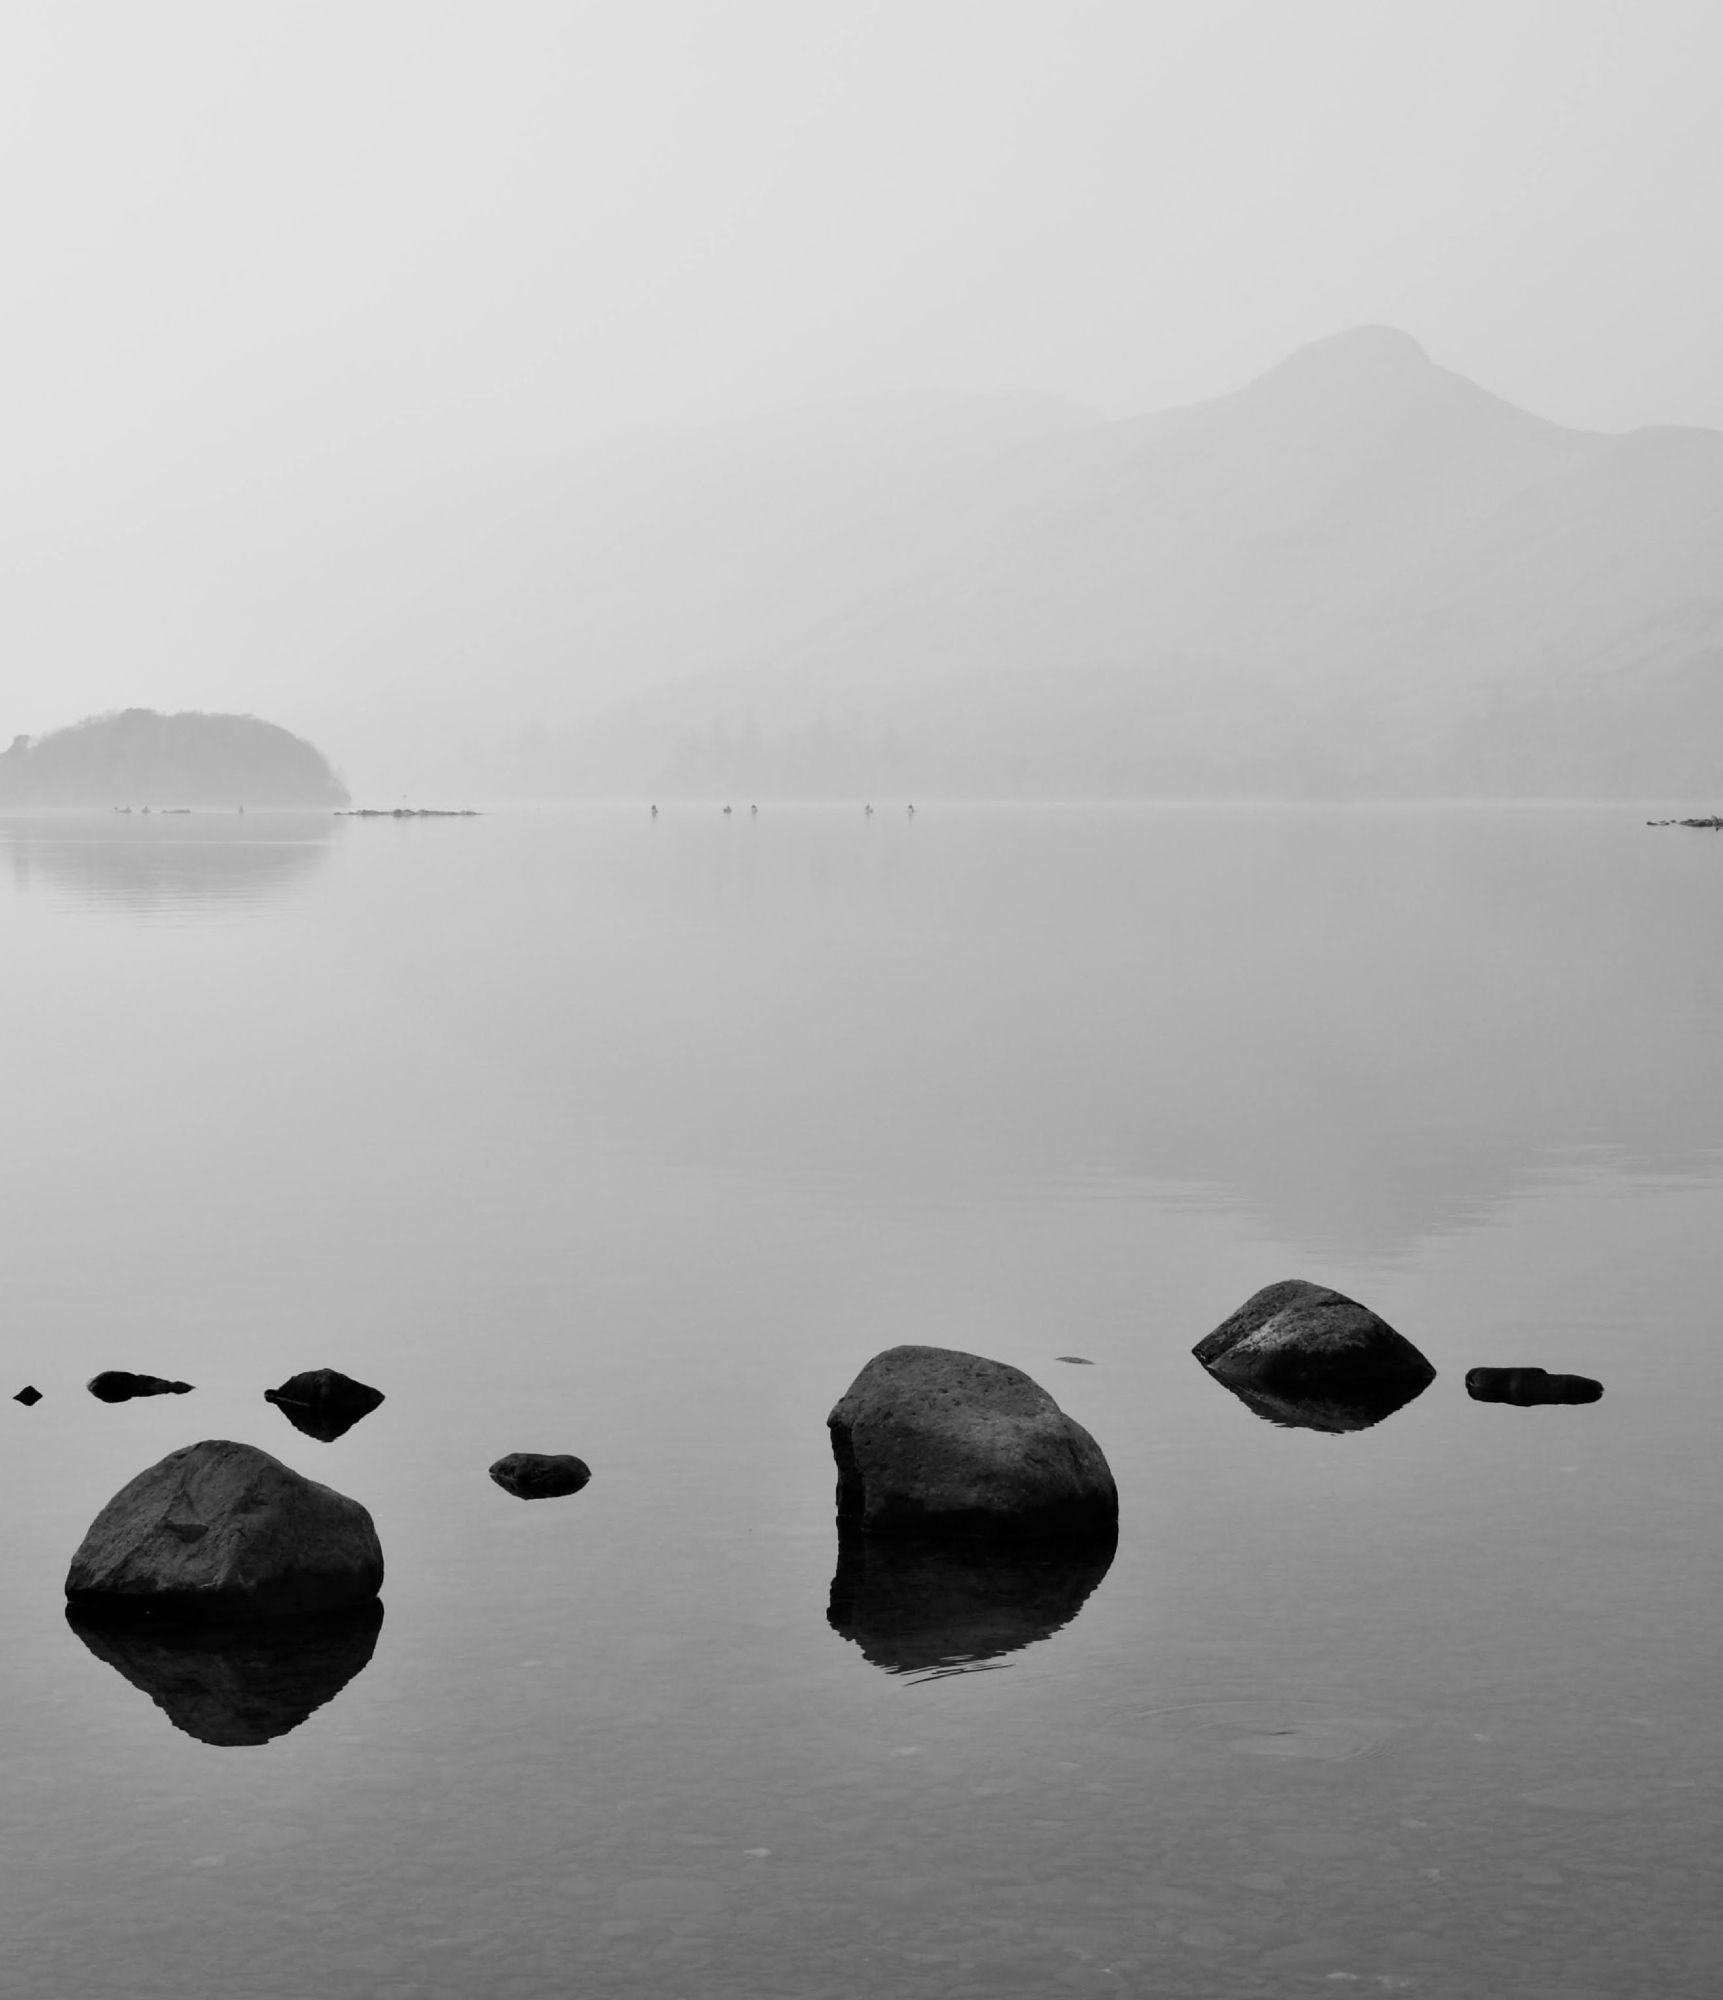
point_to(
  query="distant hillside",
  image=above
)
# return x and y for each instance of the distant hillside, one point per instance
(140, 758)
(1360, 574)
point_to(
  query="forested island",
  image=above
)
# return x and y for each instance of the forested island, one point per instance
(139, 757)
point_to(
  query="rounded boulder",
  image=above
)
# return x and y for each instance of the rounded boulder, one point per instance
(220, 1530)
(1298, 1340)
(929, 1439)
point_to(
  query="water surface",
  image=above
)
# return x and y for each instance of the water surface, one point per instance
(580, 1132)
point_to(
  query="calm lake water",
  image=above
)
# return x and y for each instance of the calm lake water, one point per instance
(579, 1132)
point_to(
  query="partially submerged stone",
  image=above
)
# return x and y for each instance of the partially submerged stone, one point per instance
(119, 1385)
(240, 1683)
(1296, 1341)
(324, 1403)
(1529, 1386)
(929, 1439)
(540, 1475)
(28, 1394)
(222, 1530)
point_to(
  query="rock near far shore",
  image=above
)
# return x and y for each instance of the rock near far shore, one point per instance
(221, 1530)
(932, 1440)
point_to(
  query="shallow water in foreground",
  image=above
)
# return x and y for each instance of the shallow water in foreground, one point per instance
(575, 1132)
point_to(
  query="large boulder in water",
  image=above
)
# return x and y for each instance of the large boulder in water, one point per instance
(930, 1440)
(1300, 1341)
(221, 1530)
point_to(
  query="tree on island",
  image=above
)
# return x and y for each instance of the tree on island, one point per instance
(137, 756)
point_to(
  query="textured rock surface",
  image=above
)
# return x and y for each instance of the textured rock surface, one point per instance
(220, 1529)
(931, 1439)
(1529, 1386)
(324, 1403)
(235, 1684)
(119, 1385)
(919, 1604)
(540, 1475)
(1297, 1340)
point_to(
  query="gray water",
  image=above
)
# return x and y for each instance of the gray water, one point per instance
(586, 1133)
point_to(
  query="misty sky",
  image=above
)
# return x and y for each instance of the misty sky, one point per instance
(246, 239)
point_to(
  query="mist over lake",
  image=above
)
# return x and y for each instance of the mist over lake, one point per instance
(587, 1132)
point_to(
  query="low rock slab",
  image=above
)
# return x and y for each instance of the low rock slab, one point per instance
(929, 1439)
(1528, 1387)
(120, 1385)
(324, 1403)
(222, 1530)
(1298, 1340)
(540, 1475)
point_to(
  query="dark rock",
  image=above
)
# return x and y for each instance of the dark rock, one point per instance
(540, 1475)
(117, 1385)
(1529, 1386)
(28, 1394)
(1355, 1411)
(932, 1605)
(928, 1439)
(235, 1683)
(1299, 1342)
(323, 1403)
(223, 1530)
(1075, 1360)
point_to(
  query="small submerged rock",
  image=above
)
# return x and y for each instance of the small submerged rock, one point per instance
(28, 1394)
(119, 1385)
(223, 1530)
(1527, 1387)
(932, 1440)
(324, 1403)
(540, 1475)
(1297, 1342)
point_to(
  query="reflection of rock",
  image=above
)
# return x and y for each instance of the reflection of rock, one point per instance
(1356, 1411)
(220, 1529)
(235, 1683)
(920, 1604)
(1298, 1342)
(28, 1394)
(323, 1403)
(540, 1475)
(927, 1438)
(119, 1385)
(1527, 1386)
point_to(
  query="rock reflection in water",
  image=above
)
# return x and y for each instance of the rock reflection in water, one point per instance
(933, 1606)
(1357, 1410)
(234, 1684)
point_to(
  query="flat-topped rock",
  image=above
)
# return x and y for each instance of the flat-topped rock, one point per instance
(1298, 1340)
(540, 1475)
(120, 1385)
(220, 1529)
(930, 1439)
(1528, 1387)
